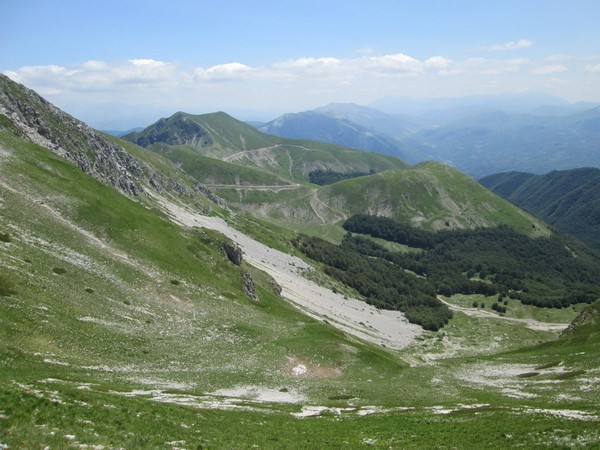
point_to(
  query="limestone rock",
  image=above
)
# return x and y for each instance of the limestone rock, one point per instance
(249, 287)
(234, 253)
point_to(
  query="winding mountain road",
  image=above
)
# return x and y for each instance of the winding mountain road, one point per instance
(529, 323)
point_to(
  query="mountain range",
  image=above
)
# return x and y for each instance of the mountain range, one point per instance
(199, 291)
(269, 176)
(477, 138)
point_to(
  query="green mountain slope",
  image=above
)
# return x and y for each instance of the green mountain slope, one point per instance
(568, 200)
(266, 176)
(430, 195)
(222, 137)
(121, 328)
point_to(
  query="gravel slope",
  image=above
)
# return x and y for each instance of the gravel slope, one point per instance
(382, 327)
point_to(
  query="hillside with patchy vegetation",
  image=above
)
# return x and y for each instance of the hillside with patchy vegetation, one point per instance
(139, 310)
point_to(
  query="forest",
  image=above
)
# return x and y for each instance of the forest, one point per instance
(384, 285)
(324, 177)
(555, 271)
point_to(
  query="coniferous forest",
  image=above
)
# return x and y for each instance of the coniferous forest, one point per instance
(554, 272)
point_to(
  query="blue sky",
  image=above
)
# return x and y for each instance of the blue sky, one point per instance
(125, 63)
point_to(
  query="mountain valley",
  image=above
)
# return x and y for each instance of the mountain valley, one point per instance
(125, 321)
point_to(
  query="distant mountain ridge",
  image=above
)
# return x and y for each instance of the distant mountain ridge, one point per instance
(319, 125)
(568, 200)
(499, 141)
(234, 144)
(482, 137)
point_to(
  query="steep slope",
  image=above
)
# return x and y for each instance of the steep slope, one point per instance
(94, 153)
(103, 289)
(568, 200)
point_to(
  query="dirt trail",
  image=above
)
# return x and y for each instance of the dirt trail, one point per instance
(241, 154)
(256, 187)
(529, 323)
(382, 327)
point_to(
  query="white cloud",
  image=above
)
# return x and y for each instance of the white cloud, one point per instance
(147, 63)
(438, 62)
(553, 68)
(398, 63)
(593, 68)
(96, 75)
(512, 45)
(310, 66)
(223, 72)
(298, 83)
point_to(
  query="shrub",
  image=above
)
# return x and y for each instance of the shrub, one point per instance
(5, 237)
(59, 270)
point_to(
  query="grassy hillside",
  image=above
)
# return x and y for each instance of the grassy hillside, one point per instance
(430, 195)
(566, 199)
(241, 164)
(222, 137)
(121, 329)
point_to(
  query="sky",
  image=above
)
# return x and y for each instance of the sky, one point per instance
(125, 63)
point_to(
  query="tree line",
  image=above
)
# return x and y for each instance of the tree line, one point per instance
(328, 176)
(384, 285)
(555, 271)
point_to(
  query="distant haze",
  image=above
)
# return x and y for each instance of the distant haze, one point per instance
(119, 65)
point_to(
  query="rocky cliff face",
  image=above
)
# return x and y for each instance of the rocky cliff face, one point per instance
(46, 125)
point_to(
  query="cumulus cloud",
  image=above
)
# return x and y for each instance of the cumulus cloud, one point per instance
(289, 84)
(223, 72)
(512, 45)
(95, 75)
(311, 66)
(398, 64)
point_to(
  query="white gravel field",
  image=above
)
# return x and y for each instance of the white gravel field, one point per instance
(386, 328)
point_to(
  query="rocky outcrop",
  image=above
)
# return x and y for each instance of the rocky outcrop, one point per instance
(99, 157)
(210, 195)
(249, 287)
(234, 253)
(590, 315)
